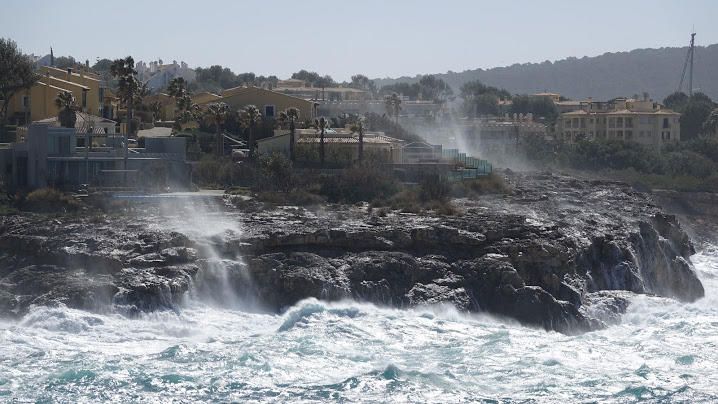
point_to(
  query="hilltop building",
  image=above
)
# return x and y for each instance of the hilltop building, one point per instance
(158, 75)
(643, 121)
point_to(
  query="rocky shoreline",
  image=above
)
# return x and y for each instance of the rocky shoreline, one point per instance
(559, 253)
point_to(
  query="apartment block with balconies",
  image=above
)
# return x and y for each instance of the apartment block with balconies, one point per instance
(642, 121)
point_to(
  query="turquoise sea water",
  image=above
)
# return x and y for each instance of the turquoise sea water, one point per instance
(663, 351)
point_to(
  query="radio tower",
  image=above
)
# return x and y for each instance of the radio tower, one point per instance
(689, 60)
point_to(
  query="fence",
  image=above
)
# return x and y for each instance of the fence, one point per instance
(470, 167)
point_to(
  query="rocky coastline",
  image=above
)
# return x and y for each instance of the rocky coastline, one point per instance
(558, 253)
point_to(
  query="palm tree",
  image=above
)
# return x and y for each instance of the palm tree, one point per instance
(322, 125)
(358, 127)
(177, 87)
(710, 126)
(251, 116)
(190, 112)
(156, 109)
(65, 103)
(290, 116)
(393, 106)
(216, 114)
(128, 85)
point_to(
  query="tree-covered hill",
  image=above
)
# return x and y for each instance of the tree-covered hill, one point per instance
(656, 71)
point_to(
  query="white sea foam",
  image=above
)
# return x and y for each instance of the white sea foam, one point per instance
(317, 351)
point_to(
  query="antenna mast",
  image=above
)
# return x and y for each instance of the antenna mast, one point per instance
(689, 60)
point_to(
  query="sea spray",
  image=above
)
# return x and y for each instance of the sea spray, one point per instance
(349, 351)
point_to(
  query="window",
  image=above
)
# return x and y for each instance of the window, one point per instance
(269, 111)
(567, 123)
(611, 134)
(619, 134)
(575, 122)
(25, 101)
(611, 122)
(619, 122)
(583, 123)
(629, 122)
(666, 124)
(84, 100)
(629, 134)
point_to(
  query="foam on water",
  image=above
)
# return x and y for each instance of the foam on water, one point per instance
(662, 351)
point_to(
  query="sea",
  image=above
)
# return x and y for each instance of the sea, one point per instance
(348, 351)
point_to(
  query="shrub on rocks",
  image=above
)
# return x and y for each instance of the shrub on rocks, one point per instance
(48, 200)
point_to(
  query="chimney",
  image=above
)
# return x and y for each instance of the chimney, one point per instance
(69, 74)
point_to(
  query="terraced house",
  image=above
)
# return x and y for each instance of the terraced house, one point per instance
(642, 121)
(38, 102)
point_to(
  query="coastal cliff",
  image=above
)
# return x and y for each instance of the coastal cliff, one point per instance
(559, 253)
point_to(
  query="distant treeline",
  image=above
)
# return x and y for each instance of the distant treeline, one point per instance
(656, 71)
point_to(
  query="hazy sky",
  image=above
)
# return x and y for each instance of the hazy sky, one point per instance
(380, 38)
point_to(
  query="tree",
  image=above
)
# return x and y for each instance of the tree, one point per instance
(216, 114)
(434, 89)
(710, 126)
(102, 65)
(16, 74)
(128, 86)
(177, 87)
(694, 115)
(251, 116)
(540, 107)
(405, 89)
(482, 99)
(314, 79)
(65, 103)
(676, 101)
(322, 125)
(156, 108)
(393, 106)
(362, 82)
(358, 127)
(486, 104)
(185, 109)
(290, 116)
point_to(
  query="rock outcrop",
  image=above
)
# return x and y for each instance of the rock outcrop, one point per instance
(558, 253)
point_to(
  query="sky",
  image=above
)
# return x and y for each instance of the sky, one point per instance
(378, 38)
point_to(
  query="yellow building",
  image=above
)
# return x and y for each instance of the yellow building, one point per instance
(96, 94)
(642, 121)
(205, 97)
(38, 102)
(169, 105)
(269, 102)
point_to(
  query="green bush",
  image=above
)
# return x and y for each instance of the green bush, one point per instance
(296, 197)
(276, 173)
(362, 182)
(434, 187)
(47, 200)
(222, 172)
(490, 184)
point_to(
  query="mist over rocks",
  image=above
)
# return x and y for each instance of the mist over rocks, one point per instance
(559, 253)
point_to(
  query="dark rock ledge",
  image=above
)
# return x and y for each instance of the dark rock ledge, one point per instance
(559, 253)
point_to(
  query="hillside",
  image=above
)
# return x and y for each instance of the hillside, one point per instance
(656, 71)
